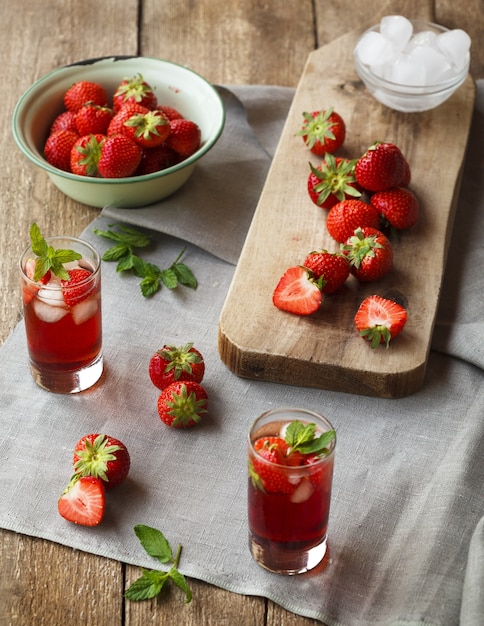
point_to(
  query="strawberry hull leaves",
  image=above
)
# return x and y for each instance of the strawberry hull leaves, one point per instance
(152, 277)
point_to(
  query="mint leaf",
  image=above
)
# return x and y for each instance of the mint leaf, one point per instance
(185, 275)
(154, 542)
(302, 437)
(151, 582)
(48, 258)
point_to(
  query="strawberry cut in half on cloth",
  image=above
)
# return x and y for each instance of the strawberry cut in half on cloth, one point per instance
(83, 501)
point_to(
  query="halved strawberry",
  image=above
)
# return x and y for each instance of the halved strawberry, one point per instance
(332, 267)
(83, 501)
(298, 291)
(378, 320)
(182, 404)
(76, 289)
(265, 468)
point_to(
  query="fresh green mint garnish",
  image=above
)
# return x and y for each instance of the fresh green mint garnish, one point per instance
(48, 258)
(152, 277)
(151, 583)
(302, 437)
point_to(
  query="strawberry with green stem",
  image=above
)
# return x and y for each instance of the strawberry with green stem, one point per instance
(370, 254)
(332, 181)
(182, 404)
(323, 131)
(173, 363)
(103, 457)
(332, 267)
(148, 130)
(381, 167)
(85, 155)
(134, 90)
(119, 157)
(379, 320)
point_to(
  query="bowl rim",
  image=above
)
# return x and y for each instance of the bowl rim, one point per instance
(410, 90)
(45, 165)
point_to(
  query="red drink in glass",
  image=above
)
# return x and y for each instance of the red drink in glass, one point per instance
(62, 322)
(288, 505)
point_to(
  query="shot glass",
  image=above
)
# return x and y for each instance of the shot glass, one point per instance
(63, 321)
(289, 492)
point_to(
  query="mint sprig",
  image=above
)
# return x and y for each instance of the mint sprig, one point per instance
(152, 582)
(49, 258)
(302, 437)
(152, 277)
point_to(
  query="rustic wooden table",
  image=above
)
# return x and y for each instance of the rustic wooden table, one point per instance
(228, 42)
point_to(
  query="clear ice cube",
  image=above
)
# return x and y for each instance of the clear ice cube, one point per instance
(84, 310)
(374, 49)
(48, 313)
(455, 44)
(397, 29)
(303, 492)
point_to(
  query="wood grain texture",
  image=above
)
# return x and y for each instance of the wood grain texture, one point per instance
(256, 340)
(229, 42)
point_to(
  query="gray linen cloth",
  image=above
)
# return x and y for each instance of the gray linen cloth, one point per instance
(406, 536)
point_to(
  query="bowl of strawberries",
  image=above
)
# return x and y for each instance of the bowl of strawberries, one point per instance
(118, 131)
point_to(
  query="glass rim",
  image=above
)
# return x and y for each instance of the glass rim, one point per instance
(95, 254)
(294, 409)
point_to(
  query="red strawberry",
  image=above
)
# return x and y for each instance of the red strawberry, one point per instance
(117, 124)
(173, 363)
(170, 112)
(82, 92)
(84, 501)
(332, 267)
(378, 320)
(120, 157)
(57, 149)
(370, 254)
(103, 457)
(148, 130)
(93, 119)
(85, 154)
(398, 206)
(334, 180)
(182, 404)
(382, 166)
(134, 90)
(407, 175)
(157, 159)
(298, 292)
(64, 121)
(184, 137)
(264, 471)
(75, 289)
(323, 131)
(347, 215)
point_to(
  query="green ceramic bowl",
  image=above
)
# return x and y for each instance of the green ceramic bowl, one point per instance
(174, 85)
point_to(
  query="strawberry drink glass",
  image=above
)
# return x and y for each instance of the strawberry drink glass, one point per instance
(291, 456)
(62, 312)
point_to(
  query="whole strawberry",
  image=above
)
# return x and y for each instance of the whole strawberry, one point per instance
(93, 119)
(148, 130)
(346, 216)
(378, 320)
(103, 457)
(182, 404)
(134, 90)
(332, 267)
(399, 207)
(170, 112)
(173, 363)
(120, 157)
(370, 254)
(382, 166)
(323, 131)
(64, 121)
(263, 470)
(57, 149)
(332, 181)
(184, 137)
(121, 116)
(156, 159)
(85, 154)
(85, 91)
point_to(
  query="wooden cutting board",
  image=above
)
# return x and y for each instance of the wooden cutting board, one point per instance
(258, 341)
